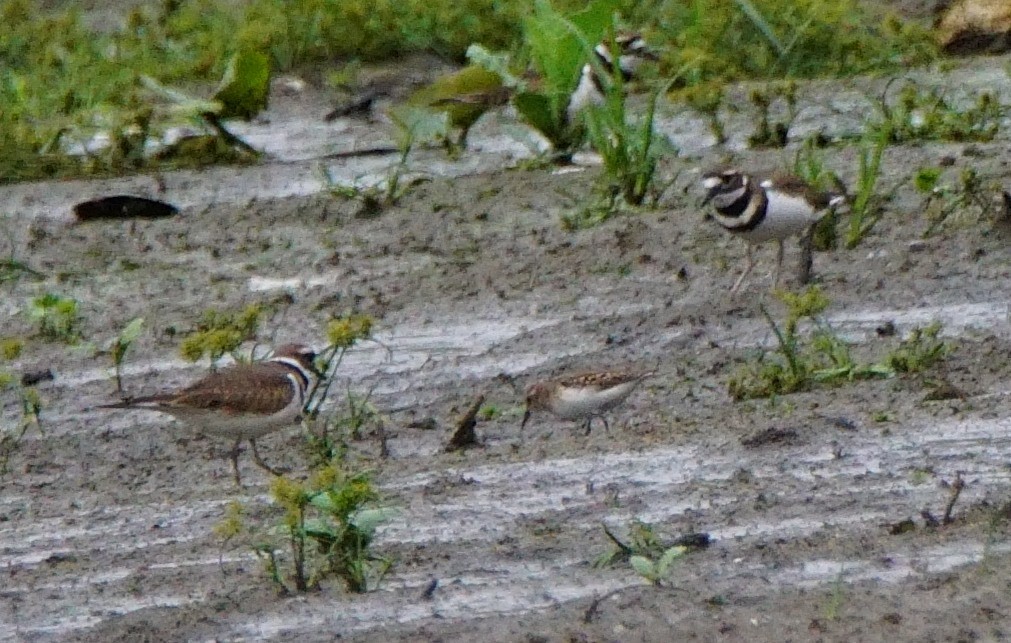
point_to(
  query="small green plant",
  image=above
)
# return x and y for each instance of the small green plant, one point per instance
(655, 571)
(926, 115)
(221, 332)
(328, 435)
(968, 200)
(799, 363)
(919, 350)
(58, 317)
(769, 133)
(630, 150)
(342, 333)
(834, 605)
(648, 555)
(28, 399)
(121, 344)
(413, 125)
(706, 98)
(865, 203)
(327, 522)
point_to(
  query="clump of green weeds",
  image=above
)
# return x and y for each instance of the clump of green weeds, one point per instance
(58, 317)
(866, 202)
(799, 363)
(327, 523)
(221, 332)
(121, 344)
(969, 199)
(413, 125)
(919, 350)
(630, 150)
(28, 399)
(771, 133)
(926, 115)
(648, 555)
(329, 435)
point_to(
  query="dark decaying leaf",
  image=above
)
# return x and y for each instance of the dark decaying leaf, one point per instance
(123, 206)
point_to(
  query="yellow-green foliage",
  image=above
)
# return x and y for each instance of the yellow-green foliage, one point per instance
(221, 332)
(328, 510)
(344, 332)
(11, 347)
(231, 524)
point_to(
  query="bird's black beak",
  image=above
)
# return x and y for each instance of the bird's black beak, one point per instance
(526, 416)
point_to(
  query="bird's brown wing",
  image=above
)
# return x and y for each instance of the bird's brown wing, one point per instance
(256, 388)
(794, 184)
(601, 380)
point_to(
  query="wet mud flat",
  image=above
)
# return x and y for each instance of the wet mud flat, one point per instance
(106, 520)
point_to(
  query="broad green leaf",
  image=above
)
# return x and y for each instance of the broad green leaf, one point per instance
(323, 502)
(132, 331)
(644, 567)
(419, 124)
(669, 556)
(495, 62)
(182, 102)
(245, 86)
(367, 520)
(536, 110)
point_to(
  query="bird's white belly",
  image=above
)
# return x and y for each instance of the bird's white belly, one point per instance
(239, 426)
(586, 94)
(574, 404)
(785, 216)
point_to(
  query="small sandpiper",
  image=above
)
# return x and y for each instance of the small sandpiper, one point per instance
(243, 401)
(582, 397)
(767, 210)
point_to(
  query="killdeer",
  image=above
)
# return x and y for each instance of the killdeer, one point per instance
(591, 90)
(582, 397)
(243, 402)
(769, 210)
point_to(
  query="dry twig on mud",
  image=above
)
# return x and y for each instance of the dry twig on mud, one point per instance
(464, 436)
(956, 491)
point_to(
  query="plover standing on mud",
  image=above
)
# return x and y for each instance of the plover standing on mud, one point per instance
(242, 402)
(582, 397)
(770, 210)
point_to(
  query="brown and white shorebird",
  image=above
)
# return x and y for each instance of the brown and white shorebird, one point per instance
(243, 401)
(582, 397)
(765, 210)
(591, 90)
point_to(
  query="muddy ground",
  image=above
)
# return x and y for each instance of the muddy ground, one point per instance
(106, 518)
